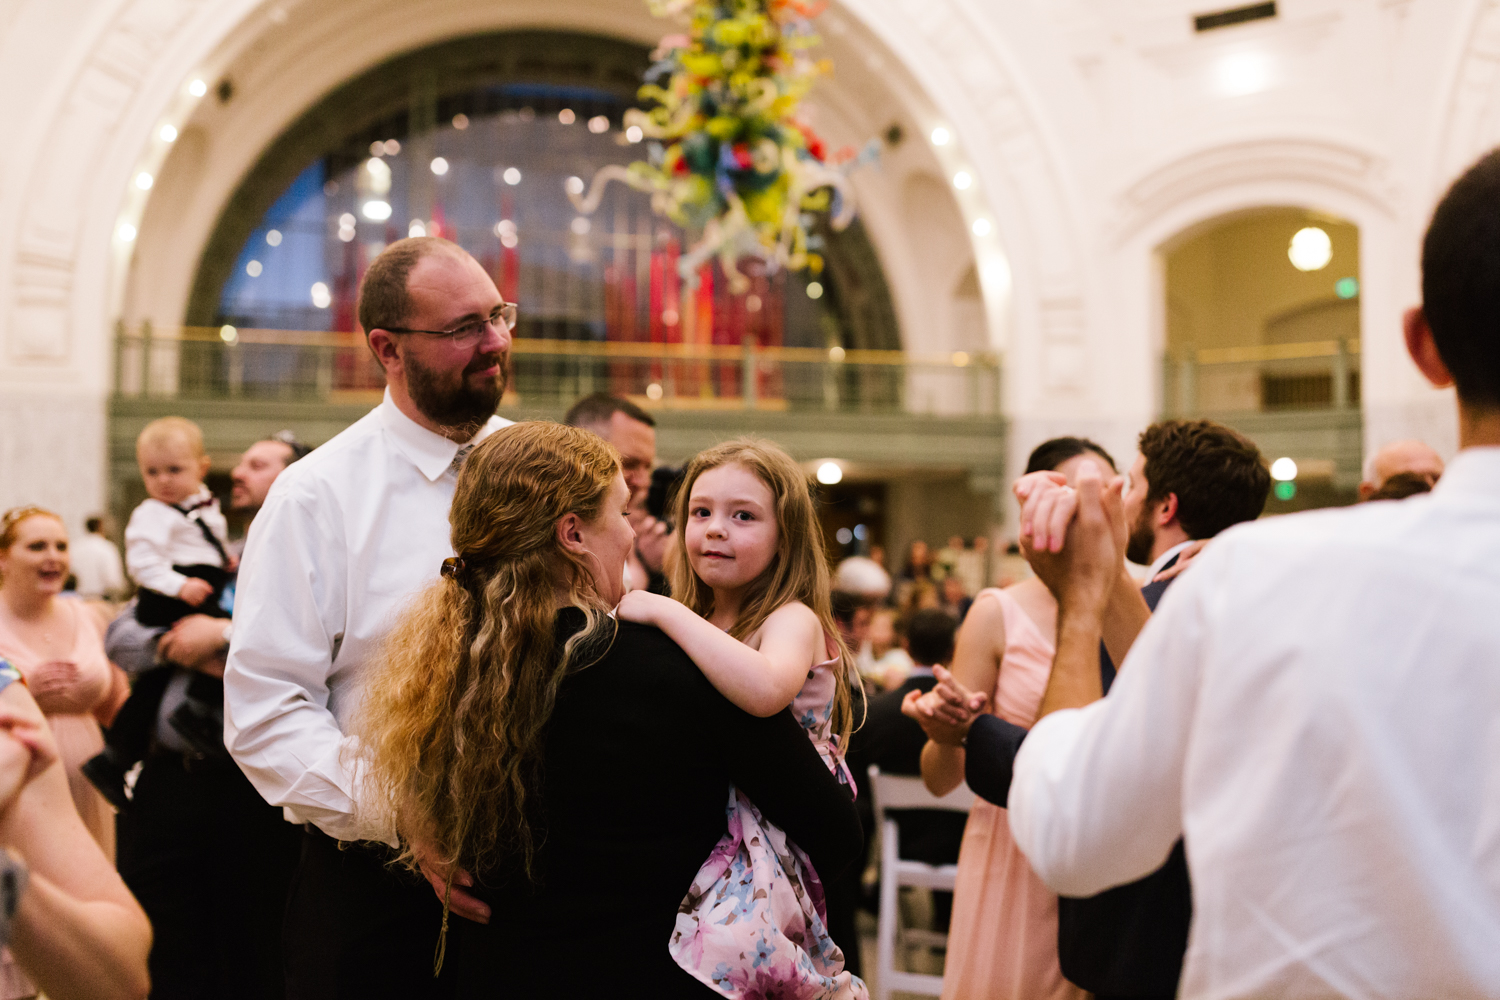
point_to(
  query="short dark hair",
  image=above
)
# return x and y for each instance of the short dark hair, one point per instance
(1461, 281)
(1217, 473)
(297, 448)
(844, 605)
(1048, 455)
(384, 300)
(93, 524)
(591, 411)
(929, 637)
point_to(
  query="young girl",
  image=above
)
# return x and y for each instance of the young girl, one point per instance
(754, 616)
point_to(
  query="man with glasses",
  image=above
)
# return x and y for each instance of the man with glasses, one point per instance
(346, 537)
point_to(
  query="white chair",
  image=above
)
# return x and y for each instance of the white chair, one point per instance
(892, 791)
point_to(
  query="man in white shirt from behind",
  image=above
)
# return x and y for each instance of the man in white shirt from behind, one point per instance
(1314, 707)
(346, 537)
(96, 563)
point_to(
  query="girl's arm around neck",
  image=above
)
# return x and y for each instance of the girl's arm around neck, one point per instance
(763, 681)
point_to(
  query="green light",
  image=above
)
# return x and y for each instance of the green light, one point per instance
(1286, 490)
(1346, 288)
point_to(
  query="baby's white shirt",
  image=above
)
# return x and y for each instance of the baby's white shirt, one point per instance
(159, 536)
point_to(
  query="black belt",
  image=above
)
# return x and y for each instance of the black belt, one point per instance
(193, 763)
(374, 849)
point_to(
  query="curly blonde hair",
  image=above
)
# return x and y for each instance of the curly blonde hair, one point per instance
(797, 572)
(451, 729)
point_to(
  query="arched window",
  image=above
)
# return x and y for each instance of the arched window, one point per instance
(480, 140)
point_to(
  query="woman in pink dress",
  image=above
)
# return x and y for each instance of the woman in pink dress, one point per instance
(58, 646)
(1002, 942)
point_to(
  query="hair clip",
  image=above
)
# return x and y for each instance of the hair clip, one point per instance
(452, 566)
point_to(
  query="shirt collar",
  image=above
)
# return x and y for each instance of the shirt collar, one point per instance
(920, 672)
(431, 453)
(1473, 472)
(1164, 558)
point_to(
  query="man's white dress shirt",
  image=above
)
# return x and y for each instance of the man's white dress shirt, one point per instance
(160, 536)
(96, 565)
(1315, 707)
(347, 536)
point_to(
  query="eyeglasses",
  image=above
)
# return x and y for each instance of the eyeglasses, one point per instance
(473, 331)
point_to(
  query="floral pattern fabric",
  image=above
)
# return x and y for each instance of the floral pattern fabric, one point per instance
(754, 924)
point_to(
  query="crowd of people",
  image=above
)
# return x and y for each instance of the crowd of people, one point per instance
(482, 708)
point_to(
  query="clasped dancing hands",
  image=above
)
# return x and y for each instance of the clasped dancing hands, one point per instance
(1074, 538)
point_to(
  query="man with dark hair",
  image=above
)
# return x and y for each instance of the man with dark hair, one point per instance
(633, 433)
(209, 860)
(347, 536)
(1191, 479)
(95, 562)
(1313, 711)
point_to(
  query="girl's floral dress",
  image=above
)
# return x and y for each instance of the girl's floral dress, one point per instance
(754, 924)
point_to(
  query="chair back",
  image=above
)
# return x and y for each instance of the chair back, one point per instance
(898, 792)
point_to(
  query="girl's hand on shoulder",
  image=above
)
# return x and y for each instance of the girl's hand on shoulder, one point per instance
(643, 607)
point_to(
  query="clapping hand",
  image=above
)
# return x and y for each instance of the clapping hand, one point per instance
(946, 712)
(57, 685)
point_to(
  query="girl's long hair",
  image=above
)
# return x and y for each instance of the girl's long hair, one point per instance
(797, 572)
(450, 732)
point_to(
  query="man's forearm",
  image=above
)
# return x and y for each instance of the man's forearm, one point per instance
(1075, 678)
(1124, 617)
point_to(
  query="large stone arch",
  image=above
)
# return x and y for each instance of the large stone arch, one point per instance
(65, 275)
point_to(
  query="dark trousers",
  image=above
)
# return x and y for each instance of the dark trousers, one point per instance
(210, 863)
(135, 723)
(358, 928)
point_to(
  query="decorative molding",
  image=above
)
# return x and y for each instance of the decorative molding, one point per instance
(1472, 125)
(1318, 162)
(41, 316)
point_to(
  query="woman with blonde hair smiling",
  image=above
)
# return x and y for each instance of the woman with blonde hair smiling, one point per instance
(558, 774)
(58, 646)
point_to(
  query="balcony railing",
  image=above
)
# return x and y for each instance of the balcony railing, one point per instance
(1312, 375)
(307, 366)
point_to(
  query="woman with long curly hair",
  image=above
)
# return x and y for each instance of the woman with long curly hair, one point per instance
(571, 766)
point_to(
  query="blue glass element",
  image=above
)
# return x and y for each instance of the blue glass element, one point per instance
(281, 294)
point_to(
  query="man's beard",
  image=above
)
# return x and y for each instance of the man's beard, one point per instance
(1138, 546)
(459, 407)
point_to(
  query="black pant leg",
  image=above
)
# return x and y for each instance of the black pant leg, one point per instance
(260, 851)
(842, 896)
(360, 929)
(163, 860)
(130, 732)
(210, 863)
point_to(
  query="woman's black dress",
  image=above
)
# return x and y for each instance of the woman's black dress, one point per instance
(640, 753)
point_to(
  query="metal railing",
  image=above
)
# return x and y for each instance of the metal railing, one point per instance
(309, 366)
(1311, 375)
